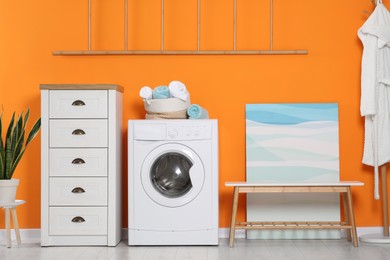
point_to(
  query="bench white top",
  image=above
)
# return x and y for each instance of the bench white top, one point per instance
(294, 184)
(11, 204)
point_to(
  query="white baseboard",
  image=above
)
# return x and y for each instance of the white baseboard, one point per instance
(224, 233)
(35, 234)
(27, 233)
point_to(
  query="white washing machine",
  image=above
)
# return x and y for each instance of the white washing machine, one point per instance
(173, 182)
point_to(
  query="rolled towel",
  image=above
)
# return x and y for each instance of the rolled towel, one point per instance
(178, 90)
(146, 92)
(160, 92)
(197, 112)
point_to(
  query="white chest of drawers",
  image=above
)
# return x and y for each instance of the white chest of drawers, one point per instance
(81, 165)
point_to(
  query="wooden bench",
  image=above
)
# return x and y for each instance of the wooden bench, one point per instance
(343, 187)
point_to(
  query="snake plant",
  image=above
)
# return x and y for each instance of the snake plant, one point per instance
(13, 146)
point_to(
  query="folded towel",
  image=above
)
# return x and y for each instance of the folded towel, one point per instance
(146, 92)
(197, 112)
(178, 90)
(161, 92)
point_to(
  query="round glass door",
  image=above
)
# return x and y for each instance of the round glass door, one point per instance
(172, 175)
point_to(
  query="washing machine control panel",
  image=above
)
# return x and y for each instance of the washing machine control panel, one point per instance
(188, 132)
(160, 130)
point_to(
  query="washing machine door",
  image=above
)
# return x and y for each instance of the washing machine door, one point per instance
(172, 175)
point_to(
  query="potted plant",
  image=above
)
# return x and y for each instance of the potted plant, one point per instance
(12, 149)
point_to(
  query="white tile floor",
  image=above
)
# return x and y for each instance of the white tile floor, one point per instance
(243, 250)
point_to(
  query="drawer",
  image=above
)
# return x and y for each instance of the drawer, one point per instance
(78, 104)
(66, 191)
(78, 221)
(78, 162)
(78, 133)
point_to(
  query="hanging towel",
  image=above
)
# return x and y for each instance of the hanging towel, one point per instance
(375, 89)
(161, 92)
(197, 112)
(146, 92)
(178, 90)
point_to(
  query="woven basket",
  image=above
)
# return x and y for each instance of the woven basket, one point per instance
(168, 108)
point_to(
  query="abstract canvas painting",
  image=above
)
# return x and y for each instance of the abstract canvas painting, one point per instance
(292, 143)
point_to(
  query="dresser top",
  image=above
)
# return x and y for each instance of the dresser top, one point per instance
(81, 87)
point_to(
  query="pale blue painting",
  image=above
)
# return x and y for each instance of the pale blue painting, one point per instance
(292, 143)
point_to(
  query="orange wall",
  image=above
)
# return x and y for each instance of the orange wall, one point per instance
(31, 30)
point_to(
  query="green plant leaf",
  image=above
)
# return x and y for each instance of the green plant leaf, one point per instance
(10, 126)
(2, 151)
(16, 161)
(19, 126)
(14, 139)
(8, 155)
(34, 131)
(18, 142)
(19, 146)
(1, 130)
(2, 169)
(8, 145)
(26, 118)
(13, 148)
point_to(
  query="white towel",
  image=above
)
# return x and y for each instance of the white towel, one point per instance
(178, 90)
(375, 89)
(146, 92)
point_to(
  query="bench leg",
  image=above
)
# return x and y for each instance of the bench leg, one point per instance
(8, 226)
(234, 216)
(346, 215)
(16, 225)
(352, 218)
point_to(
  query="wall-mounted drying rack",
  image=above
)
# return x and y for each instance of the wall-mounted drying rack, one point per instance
(198, 51)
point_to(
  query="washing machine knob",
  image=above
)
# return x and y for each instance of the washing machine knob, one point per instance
(173, 133)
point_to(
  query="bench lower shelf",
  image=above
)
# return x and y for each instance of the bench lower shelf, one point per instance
(293, 225)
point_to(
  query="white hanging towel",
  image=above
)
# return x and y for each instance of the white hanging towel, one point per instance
(375, 89)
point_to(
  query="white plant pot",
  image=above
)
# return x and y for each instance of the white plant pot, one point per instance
(8, 190)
